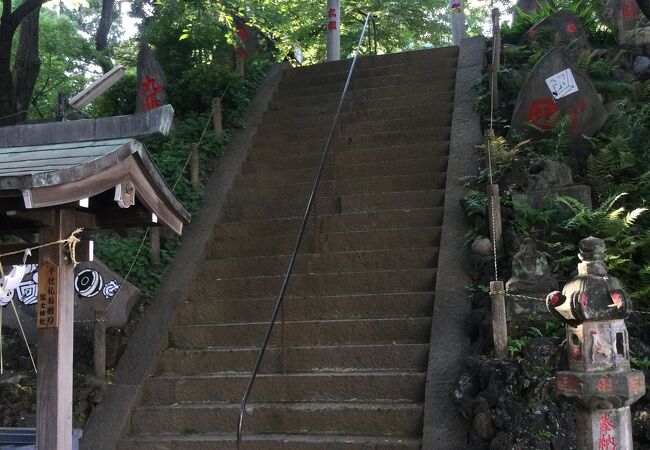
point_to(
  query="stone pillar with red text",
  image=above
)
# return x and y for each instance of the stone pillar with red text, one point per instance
(593, 305)
(457, 21)
(151, 81)
(333, 30)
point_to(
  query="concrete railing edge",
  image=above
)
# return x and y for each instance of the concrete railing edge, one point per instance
(444, 428)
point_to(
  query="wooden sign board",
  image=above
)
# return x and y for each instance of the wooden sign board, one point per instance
(47, 307)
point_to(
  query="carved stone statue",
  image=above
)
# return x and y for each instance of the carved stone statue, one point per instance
(530, 271)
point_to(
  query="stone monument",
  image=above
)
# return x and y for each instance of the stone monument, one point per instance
(531, 277)
(151, 81)
(556, 88)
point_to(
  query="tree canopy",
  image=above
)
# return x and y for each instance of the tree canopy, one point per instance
(83, 39)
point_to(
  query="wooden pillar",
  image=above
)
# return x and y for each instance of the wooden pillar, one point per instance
(54, 380)
(154, 233)
(239, 64)
(99, 346)
(217, 118)
(194, 164)
(499, 323)
(494, 215)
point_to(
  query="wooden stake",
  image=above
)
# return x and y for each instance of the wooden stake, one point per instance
(154, 233)
(494, 215)
(239, 65)
(54, 380)
(217, 118)
(499, 324)
(194, 164)
(99, 346)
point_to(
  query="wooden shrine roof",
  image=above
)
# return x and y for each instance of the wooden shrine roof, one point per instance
(61, 163)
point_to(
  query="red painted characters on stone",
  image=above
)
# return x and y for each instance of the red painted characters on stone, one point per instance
(331, 13)
(331, 25)
(575, 111)
(606, 440)
(566, 383)
(605, 384)
(636, 382)
(542, 113)
(572, 28)
(149, 89)
(629, 10)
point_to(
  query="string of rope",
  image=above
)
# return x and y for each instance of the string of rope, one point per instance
(71, 241)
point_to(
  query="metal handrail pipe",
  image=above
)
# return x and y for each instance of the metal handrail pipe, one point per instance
(301, 232)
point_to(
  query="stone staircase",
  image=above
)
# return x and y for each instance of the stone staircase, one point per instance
(359, 305)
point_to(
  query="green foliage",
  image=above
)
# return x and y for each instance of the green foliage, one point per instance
(475, 206)
(65, 56)
(588, 14)
(528, 218)
(626, 244)
(197, 31)
(118, 100)
(197, 86)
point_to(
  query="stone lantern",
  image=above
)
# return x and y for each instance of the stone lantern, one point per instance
(593, 305)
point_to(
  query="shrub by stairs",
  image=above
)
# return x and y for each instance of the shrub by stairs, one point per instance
(359, 304)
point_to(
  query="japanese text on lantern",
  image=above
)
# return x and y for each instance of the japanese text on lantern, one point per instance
(47, 308)
(149, 89)
(606, 440)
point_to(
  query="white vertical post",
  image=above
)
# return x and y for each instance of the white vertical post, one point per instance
(457, 21)
(333, 30)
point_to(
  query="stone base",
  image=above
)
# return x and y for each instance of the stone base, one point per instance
(601, 390)
(520, 309)
(605, 429)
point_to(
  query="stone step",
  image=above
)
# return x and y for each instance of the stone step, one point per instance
(414, 218)
(366, 240)
(344, 283)
(367, 177)
(279, 206)
(290, 98)
(347, 139)
(321, 133)
(331, 72)
(323, 359)
(287, 87)
(266, 161)
(297, 387)
(416, 100)
(267, 441)
(378, 419)
(275, 121)
(198, 311)
(281, 158)
(412, 330)
(412, 258)
(329, 108)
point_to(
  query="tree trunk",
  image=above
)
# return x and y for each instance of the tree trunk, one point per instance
(7, 90)
(101, 38)
(28, 64)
